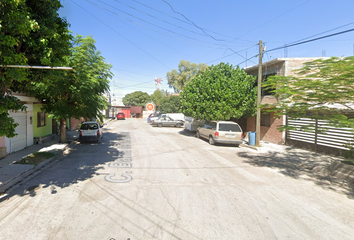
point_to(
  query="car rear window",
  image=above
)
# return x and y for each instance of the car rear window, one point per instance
(91, 126)
(229, 127)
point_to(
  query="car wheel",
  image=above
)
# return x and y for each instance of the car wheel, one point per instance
(178, 125)
(198, 134)
(211, 140)
(159, 125)
(237, 145)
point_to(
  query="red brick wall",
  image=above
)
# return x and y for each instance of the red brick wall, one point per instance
(269, 134)
(74, 123)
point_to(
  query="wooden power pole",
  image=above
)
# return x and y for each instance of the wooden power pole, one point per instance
(259, 94)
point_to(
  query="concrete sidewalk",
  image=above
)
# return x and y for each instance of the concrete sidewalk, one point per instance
(11, 173)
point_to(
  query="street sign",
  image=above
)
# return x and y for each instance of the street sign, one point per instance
(150, 106)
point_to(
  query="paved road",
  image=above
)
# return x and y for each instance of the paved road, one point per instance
(145, 182)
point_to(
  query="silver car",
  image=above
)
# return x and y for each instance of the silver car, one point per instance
(225, 132)
(167, 122)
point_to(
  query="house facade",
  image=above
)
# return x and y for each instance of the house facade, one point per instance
(269, 123)
(33, 127)
(24, 130)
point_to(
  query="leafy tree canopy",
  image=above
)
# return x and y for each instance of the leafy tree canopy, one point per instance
(186, 71)
(322, 89)
(170, 104)
(219, 93)
(157, 96)
(31, 33)
(137, 98)
(78, 93)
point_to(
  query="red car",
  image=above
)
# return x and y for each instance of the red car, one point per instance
(120, 116)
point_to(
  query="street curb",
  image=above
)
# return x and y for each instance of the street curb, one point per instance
(249, 146)
(30, 173)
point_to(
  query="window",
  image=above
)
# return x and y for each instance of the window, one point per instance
(229, 127)
(89, 126)
(265, 91)
(40, 119)
(265, 120)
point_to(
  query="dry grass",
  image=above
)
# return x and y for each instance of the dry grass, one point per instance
(36, 158)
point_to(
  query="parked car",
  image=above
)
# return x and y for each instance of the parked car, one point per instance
(225, 132)
(120, 116)
(167, 122)
(174, 116)
(90, 131)
(156, 114)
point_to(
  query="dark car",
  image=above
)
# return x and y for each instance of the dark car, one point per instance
(120, 116)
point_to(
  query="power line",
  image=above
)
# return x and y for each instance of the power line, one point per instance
(143, 20)
(300, 43)
(121, 35)
(187, 22)
(231, 54)
(323, 32)
(152, 16)
(191, 22)
(247, 60)
(311, 40)
(219, 40)
(274, 18)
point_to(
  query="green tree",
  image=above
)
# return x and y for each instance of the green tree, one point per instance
(31, 33)
(157, 96)
(186, 71)
(137, 98)
(170, 104)
(322, 89)
(219, 93)
(77, 93)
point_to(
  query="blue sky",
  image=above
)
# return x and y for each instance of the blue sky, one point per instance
(144, 39)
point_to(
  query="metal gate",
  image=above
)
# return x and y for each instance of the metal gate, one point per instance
(319, 136)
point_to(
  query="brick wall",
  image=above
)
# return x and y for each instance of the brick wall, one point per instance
(74, 123)
(269, 134)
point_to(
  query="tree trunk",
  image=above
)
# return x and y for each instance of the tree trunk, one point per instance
(63, 138)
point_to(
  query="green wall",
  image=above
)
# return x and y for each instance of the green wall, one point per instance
(41, 131)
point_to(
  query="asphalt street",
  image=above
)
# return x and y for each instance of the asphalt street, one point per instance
(145, 182)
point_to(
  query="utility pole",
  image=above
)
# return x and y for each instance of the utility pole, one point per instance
(259, 94)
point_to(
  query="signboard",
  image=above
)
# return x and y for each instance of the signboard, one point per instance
(150, 107)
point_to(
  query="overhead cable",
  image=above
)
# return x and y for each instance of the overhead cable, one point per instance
(121, 35)
(311, 40)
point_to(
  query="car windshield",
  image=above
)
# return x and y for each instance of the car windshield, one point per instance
(89, 126)
(229, 127)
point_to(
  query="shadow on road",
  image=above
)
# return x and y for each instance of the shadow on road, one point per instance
(301, 164)
(187, 133)
(81, 163)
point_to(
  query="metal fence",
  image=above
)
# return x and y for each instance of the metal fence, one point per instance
(319, 136)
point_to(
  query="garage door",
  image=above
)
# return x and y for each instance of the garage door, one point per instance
(126, 113)
(20, 141)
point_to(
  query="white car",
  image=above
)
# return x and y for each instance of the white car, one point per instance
(90, 131)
